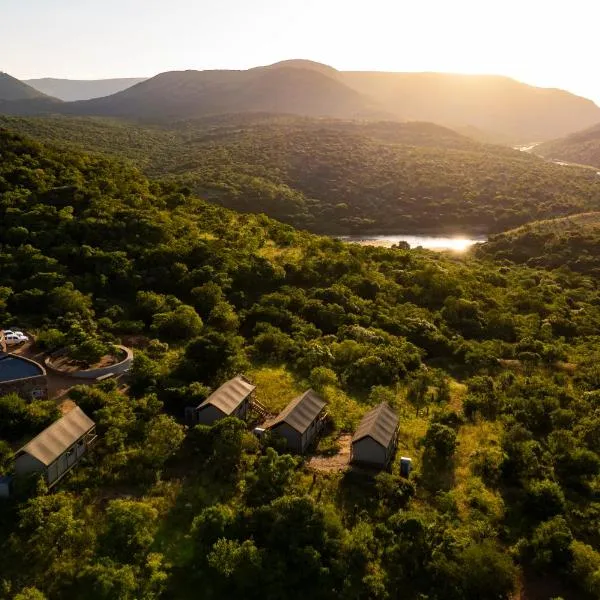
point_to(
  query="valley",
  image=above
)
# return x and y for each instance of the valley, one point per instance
(301, 260)
(339, 177)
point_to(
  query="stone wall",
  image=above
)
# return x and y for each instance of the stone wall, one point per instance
(29, 388)
(116, 369)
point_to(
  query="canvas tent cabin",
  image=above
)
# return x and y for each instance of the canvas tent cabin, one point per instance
(232, 399)
(375, 439)
(58, 448)
(300, 421)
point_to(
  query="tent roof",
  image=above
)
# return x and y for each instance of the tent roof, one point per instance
(230, 395)
(301, 411)
(380, 423)
(54, 440)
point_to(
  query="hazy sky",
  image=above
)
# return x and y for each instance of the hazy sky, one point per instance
(543, 42)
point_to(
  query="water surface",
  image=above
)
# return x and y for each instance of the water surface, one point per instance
(431, 242)
(12, 367)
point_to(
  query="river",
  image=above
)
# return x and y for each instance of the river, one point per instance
(431, 242)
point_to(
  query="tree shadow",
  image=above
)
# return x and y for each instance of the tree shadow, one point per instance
(357, 493)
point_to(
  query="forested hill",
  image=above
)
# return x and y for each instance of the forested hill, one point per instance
(13, 89)
(581, 148)
(493, 372)
(571, 242)
(341, 176)
(501, 109)
(189, 94)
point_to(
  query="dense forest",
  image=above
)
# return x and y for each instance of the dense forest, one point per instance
(570, 242)
(493, 370)
(340, 177)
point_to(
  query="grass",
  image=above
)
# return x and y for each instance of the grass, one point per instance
(276, 253)
(470, 490)
(275, 386)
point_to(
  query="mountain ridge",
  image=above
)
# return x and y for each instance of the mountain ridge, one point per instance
(13, 90)
(500, 108)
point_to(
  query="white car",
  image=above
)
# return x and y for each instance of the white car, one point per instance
(14, 338)
(13, 331)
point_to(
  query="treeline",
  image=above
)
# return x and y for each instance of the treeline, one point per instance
(493, 371)
(340, 176)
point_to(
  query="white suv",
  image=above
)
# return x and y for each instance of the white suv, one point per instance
(13, 338)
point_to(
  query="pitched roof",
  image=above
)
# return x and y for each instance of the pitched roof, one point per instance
(57, 438)
(301, 411)
(380, 423)
(230, 395)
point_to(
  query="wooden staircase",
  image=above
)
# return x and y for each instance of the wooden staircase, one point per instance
(259, 408)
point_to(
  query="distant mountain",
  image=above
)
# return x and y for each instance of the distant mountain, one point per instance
(12, 89)
(79, 89)
(495, 105)
(582, 147)
(189, 94)
(492, 108)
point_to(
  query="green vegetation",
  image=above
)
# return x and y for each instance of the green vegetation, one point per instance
(493, 371)
(571, 242)
(340, 176)
(582, 147)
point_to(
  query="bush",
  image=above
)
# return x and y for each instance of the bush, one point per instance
(51, 339)
(545, 499)
(90, 351)
(183, 323)
(550, 546)
(320, 377)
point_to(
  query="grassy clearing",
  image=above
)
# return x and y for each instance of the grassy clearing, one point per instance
(276, 386)
(470, 491)
(275, 253)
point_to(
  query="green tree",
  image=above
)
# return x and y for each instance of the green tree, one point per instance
(270, 477)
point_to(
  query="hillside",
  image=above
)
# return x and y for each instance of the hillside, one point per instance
(188, 94)
(572, 242)
(335, 176)
(502, 493)
(498, 106)
(582, 147)
(495, 108)
(73, 89)
(12, 89)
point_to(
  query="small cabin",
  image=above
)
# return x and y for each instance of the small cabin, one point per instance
(374, 442)
(56, 450)
(232, 399)
(300, 421)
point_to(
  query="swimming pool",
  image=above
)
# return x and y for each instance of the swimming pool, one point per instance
(13, 367)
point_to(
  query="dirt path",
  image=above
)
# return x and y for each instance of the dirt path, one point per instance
(337, 462)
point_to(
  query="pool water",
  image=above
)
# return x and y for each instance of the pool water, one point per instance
(13, 367)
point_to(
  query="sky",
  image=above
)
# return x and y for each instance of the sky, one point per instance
(549, 43)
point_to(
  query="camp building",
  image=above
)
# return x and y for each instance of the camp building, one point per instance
(375, 439)
(232, 399)
(56, 450)
(300, 421)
